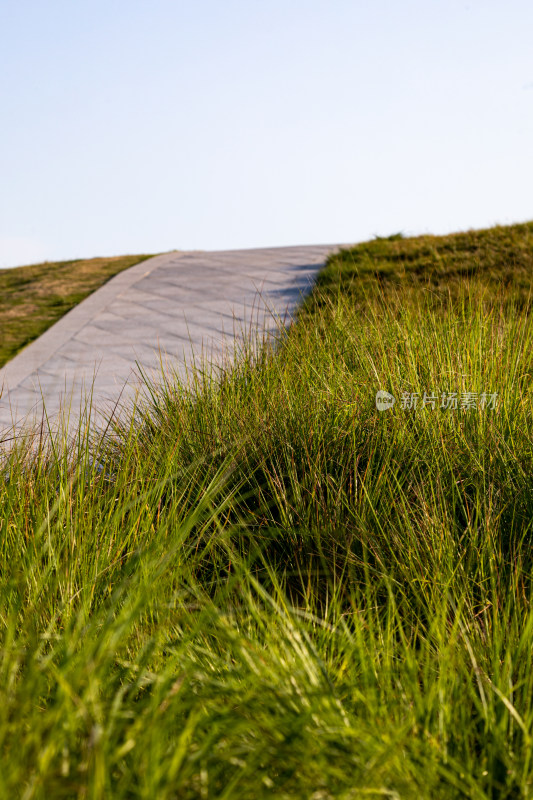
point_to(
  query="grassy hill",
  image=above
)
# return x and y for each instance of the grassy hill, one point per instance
(32, 298)
(500, 259)
(265, 587)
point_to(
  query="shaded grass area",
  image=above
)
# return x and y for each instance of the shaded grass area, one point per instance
(263, 587)
(32, 298)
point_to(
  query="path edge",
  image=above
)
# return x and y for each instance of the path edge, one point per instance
(34, 355)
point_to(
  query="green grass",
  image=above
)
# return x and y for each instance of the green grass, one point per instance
(32, 298)
(501, 258)
(264, 587)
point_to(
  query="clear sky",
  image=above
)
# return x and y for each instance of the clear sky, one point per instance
(132, 126)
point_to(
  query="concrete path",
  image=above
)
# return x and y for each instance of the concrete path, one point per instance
(174, 306)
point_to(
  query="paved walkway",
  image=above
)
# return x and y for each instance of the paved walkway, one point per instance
(174, 306)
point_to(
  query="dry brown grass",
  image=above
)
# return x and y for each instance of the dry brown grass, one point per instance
(32, 298)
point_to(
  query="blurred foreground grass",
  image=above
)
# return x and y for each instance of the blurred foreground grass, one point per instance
(263, 587)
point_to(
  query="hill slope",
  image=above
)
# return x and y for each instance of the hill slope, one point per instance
(265, 587)
(32, 298)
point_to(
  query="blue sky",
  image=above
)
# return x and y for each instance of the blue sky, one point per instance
(131, 126)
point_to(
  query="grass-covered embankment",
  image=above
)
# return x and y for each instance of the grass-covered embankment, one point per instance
(274, 590)
(32, 298)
